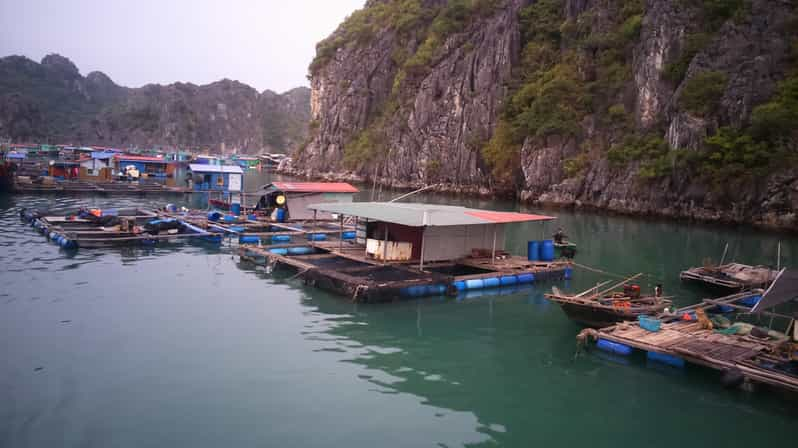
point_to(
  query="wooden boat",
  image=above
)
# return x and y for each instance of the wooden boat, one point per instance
(598, 308)
(734, 276)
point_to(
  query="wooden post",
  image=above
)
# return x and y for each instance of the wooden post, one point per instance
(385, 246)
(312, 228)
(424, 221)
(493, 252)
(421, 258)
(341, 235)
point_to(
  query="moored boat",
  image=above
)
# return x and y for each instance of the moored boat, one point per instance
(599, 308)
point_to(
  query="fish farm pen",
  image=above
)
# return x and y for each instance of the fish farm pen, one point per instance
(412, 250)
(104, 188)
(327, 266)
(688, 336)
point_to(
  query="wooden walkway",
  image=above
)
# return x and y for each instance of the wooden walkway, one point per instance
(106, 188)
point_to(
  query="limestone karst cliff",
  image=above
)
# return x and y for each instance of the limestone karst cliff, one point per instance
(654, 107)
(52, 102)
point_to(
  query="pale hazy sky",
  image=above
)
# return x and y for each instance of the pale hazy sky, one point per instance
(267, 44)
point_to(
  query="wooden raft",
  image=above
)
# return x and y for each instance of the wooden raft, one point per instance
(688, 340)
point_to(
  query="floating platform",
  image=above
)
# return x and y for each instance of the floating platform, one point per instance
(122, 228)
(732, 276)
(105, 188)
(677, 341)
(342, 268)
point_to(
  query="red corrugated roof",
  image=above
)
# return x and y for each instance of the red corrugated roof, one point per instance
(315, 187)
(506, 217)
(140, 158)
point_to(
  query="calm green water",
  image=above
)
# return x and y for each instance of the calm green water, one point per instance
(185, 346)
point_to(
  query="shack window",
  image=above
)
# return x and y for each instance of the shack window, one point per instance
(220, 181)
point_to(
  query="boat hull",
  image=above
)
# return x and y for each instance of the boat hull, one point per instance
(600, 317)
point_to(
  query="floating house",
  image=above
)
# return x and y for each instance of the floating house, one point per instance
(294, 197)
(207, 160)
(15, 156)
(272, 160)
(44, 151)
(246, 161)
(426, 233)
(67, 169)
(225, 178)
(98, 166)
(151, 166)
(410, 250)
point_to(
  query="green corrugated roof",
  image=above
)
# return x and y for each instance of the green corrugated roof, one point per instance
(417, 214)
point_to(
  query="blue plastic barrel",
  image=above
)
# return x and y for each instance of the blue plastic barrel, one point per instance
(300, 250)
(532, 249)
(252, 217)
(281, 238)
(279, 251)
(508, 280)
(751, 301)
(568, 273)
(230, 218)
(249, 239)
(235, 208)
(492, 282)
(546, 250)
(614, 347)
(214, 216)
(435, 290)
(350, 235)
(526, 278)
(280, 214)
(725, 309)
(460, 285)
(317, 237)
(415, 291)
(213, 239)
(476, 283)
(666, 359)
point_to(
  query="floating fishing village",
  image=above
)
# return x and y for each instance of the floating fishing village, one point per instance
(386, 251)
(398, 223)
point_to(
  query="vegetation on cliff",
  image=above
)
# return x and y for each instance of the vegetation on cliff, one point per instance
(652, 105)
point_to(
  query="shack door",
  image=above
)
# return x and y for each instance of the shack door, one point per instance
(235, 182)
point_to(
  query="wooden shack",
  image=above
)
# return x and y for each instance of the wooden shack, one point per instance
(298, 195)
(431, 232)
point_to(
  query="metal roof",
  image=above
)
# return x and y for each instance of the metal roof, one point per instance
(417, 214)
(203, 168)
(145, 159)
(313, 187)
(783, 289)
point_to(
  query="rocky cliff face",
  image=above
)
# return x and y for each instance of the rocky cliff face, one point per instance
(655, 107)
(51, 101)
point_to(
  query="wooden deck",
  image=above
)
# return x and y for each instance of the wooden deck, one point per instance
(345, 268)
(106, 188)
(688, 340)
